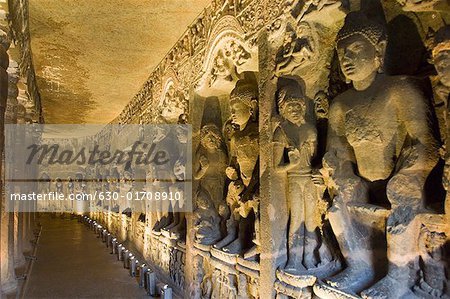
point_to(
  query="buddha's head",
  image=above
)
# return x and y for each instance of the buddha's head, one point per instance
(441, 54)
(243, 103)
(361, 45)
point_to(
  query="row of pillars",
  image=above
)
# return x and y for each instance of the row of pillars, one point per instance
(19, 230)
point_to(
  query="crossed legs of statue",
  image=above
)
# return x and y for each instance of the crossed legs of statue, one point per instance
(353, 241)
(405, 192)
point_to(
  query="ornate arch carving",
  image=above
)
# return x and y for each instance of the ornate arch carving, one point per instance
(172, 103)
(227, 56)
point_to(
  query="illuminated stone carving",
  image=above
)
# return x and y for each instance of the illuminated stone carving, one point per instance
(206, 219)
(244, 156)
(228, 58)
(163, 172)
(343, 167)
(211, 162)
(296, 135)
(173, 104)
(364, 123)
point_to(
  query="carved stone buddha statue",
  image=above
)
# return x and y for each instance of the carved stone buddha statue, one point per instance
(379, 134)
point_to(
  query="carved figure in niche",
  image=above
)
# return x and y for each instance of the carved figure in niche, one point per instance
(70, 185)
(44, 183)
(217, 279)
(228, 288)
(242, 287)
(59, 185)
(207, 286)
(441, 60)
(248, 287)
(296, 139)
(223, 69)
(244, 155)
(321, 105)
(253, 287)
(433, 280)
(206, 219)
(373, 139)
(163, 173)
(198, 34)
(127, 178)
(114, 179)
(178, 227)
(193, 32)
(296, 49)
(211, 162)
(174, 105)
(235, 189)
(199, 275)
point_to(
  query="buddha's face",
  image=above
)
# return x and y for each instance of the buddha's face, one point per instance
(357, 57)
(240, 113)
(293, 111)
(442, 64)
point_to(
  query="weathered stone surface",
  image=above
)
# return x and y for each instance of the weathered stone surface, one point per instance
(320, 152)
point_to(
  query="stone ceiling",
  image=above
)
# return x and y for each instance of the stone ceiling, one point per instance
(92, 56)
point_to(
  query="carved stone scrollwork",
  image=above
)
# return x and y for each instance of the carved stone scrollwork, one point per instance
(302, 40)
(228, 57)
(173, 103)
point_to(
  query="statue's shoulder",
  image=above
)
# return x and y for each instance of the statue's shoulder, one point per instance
(399, 85)
(341, 103)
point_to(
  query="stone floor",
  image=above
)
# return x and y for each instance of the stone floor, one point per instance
(73, 263)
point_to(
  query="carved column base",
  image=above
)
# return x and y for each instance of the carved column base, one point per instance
(283, 290)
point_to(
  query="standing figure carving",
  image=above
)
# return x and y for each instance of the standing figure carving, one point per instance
(211, 162)
(209, 169)
(177, 228)
(244, 157)
(163, 174)
(379, 135)
(296, 138)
